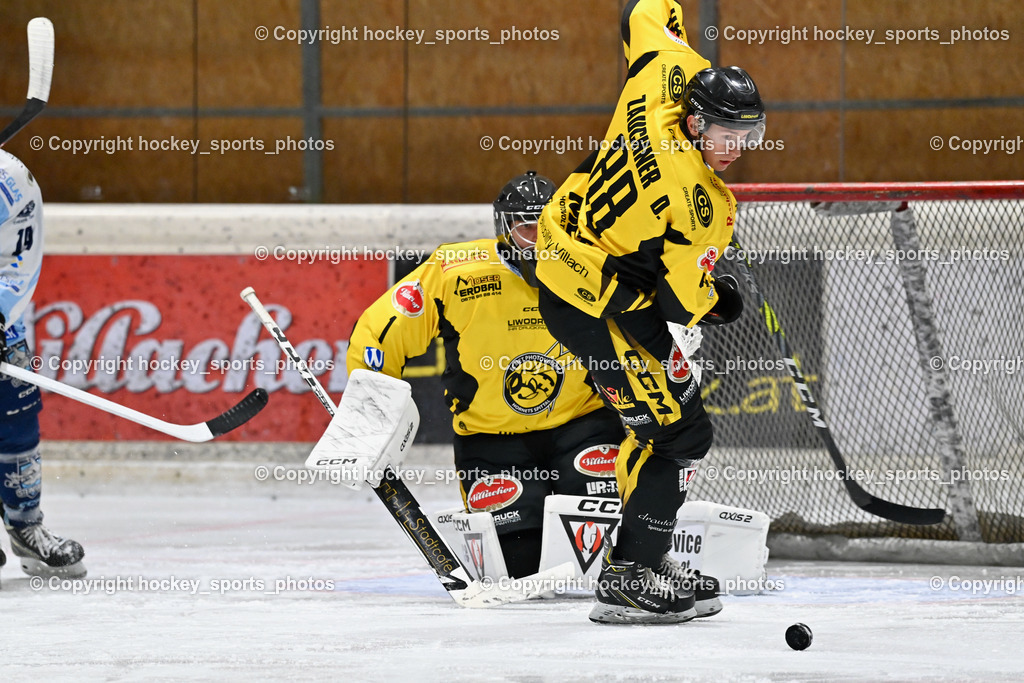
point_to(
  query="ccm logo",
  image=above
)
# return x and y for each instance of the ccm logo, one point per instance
(606, 505)
(736, 517)
(405, 441)
(335, 461)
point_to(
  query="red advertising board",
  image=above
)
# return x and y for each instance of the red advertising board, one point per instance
(169, 336)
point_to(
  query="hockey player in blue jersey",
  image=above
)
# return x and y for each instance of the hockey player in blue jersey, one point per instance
(21, 255)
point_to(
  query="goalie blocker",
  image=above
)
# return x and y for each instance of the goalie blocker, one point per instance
(373, 428)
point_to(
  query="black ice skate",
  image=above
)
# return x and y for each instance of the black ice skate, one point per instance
(705, 588)
(629, 593)
(44, 554)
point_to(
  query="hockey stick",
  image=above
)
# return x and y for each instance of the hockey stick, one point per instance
(40, 72)
(406, 510)
(861, 498)
(204, 431)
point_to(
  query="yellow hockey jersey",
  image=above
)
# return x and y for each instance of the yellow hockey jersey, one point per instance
(505, 372)
(644, 214)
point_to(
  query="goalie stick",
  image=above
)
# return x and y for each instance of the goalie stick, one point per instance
(233, 417)
(40, 72)
(861, 498)
(406, 510)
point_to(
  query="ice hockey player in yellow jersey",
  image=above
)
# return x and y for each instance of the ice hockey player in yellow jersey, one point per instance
(628, 242)
(522, 407)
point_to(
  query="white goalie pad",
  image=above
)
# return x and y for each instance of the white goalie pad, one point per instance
(575, 529)
(471, 536)
(724, 542)
(373, 429)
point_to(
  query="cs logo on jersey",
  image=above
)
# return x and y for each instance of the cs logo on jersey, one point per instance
(408, 299)
(676, 83)
(702, 202)
(532, 383)
(373, 358)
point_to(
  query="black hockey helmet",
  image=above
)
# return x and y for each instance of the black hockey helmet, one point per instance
(520, 202)
(516, 213)
(727, 96)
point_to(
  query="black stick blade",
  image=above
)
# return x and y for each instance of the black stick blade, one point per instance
(32, 109)
(902, 513)
(241, 413)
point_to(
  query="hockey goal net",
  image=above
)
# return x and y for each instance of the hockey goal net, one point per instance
(908, 326)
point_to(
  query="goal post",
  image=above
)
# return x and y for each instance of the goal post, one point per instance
(902, 304)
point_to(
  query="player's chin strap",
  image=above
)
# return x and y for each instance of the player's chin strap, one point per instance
(373, 428)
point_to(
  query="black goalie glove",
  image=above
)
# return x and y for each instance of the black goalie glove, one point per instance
(729, 305)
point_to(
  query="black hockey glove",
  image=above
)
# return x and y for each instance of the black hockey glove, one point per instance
(729, 305)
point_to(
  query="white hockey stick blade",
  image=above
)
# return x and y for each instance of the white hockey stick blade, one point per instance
(40, 73)
(40, 58)
(491, 593)
(235, 416)
(373, 429)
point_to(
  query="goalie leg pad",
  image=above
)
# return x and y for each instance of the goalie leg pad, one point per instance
(471, 536)
(723, 542)
(575, 529)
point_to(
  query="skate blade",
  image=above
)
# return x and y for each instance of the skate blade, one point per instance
(34, 567)
(708, 608)
(620, 614)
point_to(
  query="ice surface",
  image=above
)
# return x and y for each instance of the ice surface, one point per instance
(381, 615)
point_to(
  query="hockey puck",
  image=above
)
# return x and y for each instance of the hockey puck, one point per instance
(798, 636)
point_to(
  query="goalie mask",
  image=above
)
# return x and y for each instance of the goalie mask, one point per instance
(516, 212)
(726, 97)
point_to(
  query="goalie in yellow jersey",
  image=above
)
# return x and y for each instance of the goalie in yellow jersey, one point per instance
(527, 421)
(628, 244)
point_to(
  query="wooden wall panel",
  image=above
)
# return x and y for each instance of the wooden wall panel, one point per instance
(249, 175)
(367, 163)
(357, 72)
(580, 67)
(235, 69)
(785, 68)
(406, 120)
(930, 68)
(109, 53)
(447, 162)
(885, 145)
(124, 176)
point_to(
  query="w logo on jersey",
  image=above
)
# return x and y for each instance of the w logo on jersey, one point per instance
(373, 358)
